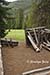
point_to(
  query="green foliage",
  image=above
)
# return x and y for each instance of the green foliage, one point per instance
(11, 23)
(2, 18)
(31, 18)
(43, 13)
(37, 14)
(18, 8)
(34, 15)
(19, 19)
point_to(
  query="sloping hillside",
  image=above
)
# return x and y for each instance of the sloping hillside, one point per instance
(24, 4)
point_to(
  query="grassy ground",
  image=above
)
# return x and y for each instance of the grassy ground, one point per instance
(16, 34)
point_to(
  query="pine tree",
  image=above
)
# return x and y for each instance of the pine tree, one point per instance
(43, 13)
(3, 13)
(20, 18)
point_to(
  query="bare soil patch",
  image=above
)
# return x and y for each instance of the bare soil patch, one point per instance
(20, 59)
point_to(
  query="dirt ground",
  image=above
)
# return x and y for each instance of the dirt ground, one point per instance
(20, 59)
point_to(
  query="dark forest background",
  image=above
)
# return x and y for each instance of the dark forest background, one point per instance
(23, 13)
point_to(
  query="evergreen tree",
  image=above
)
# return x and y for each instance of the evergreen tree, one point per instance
(34, 14)
(3, 13)
(20, 19)
(43, 13)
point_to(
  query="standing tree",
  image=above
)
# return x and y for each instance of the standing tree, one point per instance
(43, 13)
(34, 14)
(31, 18)
(20, 18)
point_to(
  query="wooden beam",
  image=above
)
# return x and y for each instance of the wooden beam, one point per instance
(33, 43)
(36, 36)
(47, 48)
(46, 44)
(35, 28)
(9, 42)
(47, 30)
(40, 71)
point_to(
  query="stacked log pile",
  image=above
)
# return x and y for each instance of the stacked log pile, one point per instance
(38, 37)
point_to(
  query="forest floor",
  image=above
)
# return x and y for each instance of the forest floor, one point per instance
(20, 59)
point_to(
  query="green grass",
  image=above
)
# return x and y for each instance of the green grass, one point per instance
(16, 34)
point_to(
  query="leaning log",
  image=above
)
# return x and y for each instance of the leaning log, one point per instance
(33, 43)
(36, 37)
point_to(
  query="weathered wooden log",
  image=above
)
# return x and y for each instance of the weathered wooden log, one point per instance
(27, 40)
(36, 37)
(46, 44)
(35, 28)
(1, 62)
(33, 43)
(40, 71)
(46, 47)
(47, 30)
(9, 42)
(39, 37)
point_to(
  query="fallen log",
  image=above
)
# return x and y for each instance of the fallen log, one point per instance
(44, 46)
(36, 28)
(9, 42)
(33, 43)
(40, 71)
(36, 37)
(47, 30)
